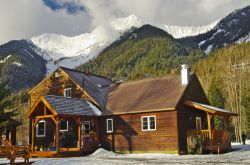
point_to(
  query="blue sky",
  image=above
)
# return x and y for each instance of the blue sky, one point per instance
(23, 19)
(71, 7)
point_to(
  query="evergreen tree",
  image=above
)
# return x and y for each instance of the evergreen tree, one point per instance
(246, 104)
(216, 98)
(5, 106)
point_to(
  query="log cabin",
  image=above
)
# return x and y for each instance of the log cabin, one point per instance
(74, 113)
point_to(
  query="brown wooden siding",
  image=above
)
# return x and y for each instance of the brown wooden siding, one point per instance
(186, 114)
(128, 136)
(55, 86)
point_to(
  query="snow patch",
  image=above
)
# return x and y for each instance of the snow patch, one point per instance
(17, 63)
(246, 38)
(96, 110)
(217, 32)
(103, 152)
(201, 43)
(184, 31)
(209, 48)
(5, 59)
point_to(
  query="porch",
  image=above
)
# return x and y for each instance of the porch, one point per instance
(211, 140)
(58, 130)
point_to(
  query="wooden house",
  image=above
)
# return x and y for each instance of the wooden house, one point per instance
(74, 113)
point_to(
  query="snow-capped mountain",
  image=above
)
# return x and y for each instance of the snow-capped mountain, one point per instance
(185, 31)
(73, 51)
(233, 29)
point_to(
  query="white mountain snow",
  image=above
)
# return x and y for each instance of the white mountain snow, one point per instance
(184, 31)
(73, 51)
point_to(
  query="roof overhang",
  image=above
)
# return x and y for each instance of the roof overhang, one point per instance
(44, 101)
(209, 108)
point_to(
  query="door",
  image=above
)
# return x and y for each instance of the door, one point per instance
(85, 133)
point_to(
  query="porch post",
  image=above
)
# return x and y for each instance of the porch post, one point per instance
(33, 135)
(57, 134)
(79, 132)
(209, 125)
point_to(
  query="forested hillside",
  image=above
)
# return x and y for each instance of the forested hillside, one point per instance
(225, 77)
(143, 52)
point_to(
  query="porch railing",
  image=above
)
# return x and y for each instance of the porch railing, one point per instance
(218, 136)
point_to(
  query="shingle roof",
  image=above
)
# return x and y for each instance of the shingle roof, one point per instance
(72, 106)
(145, 95)
(96, 86)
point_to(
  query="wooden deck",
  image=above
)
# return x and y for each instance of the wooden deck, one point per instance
(219, 142)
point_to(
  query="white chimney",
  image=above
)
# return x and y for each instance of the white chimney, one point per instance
(184, 74)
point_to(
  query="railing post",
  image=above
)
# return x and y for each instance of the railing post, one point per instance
(209, 130)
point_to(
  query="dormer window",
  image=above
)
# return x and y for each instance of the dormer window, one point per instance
(67, 92)
(56, 74)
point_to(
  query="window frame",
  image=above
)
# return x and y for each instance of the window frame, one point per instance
(148, 123)
(67, 89)
(107, 126)
(57, 74)
(44, 131)
(64, 130)
(83, 126)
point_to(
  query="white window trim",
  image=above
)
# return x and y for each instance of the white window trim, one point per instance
(111, 125)
(64, 130)
(83, 127)
(148, 123)
(70, 92)
(57, 74)
(44, 132)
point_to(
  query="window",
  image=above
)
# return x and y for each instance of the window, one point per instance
(64, 125)
(86, 127)
(57, 74)
(148, 123)
(67, 92)
(109, 125)
(40, 128)
(198, 123)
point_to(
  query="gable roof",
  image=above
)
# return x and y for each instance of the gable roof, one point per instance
(152, 94)
(72, 106)
(96, 86)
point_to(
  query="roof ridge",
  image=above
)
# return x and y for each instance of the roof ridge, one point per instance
(148, 78)
(84, 72)
(71, 98)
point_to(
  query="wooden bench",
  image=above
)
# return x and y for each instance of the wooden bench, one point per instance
(12, 152)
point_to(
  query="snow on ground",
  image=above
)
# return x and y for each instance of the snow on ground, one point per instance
(239, 155)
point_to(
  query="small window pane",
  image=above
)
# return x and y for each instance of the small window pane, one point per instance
(40, 128)
(152, 122)
(64, 125)
(67, 92)
(109, 125)
(86, 127)
(145, 123)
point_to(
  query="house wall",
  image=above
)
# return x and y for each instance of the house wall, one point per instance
(55, 86)
(187, 115)
(128, 136)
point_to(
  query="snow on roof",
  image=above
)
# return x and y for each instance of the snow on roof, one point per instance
(213, 108)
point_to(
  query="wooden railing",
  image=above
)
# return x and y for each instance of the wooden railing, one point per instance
(218, 136)
(12, 152)
(204, 134)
